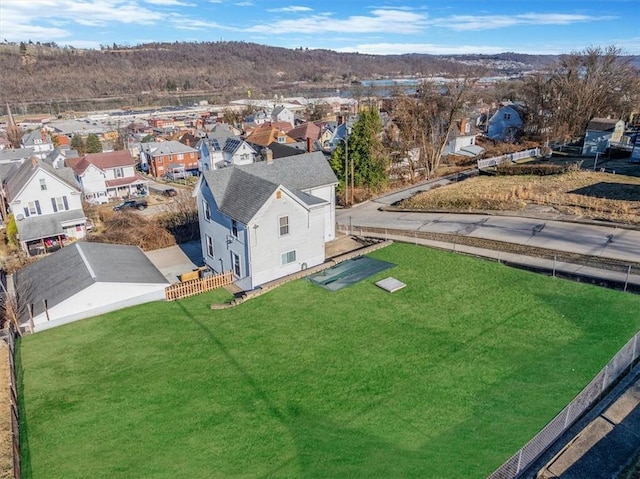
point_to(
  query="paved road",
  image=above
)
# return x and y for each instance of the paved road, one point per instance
(588, 239)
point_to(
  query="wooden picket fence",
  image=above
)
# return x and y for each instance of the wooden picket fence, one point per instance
(197, 286)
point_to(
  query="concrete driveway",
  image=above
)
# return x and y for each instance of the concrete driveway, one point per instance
(175, 260)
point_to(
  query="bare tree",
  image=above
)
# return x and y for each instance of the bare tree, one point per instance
(580, 86)
(425, 121)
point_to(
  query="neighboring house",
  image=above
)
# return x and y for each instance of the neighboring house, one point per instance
(280, 150)
(47, 206)
(19, 155)
(304, 132)
(506, 124)
(85, 280)
(58, 157)
(327, 133)
(211, 145)
(268, 219)
(237, 152)
(40, 141)
(160, 158)
(462, 140)
(105, 177)
(600, 132)
(267, 134)
(283, 114)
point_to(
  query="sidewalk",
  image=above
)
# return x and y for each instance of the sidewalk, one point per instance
(556, 268)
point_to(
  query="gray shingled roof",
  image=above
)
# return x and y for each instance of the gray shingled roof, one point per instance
(78, 266)
(602, 124)
(159, 148)
(30, 138)
(8, 155)
(23, 174)
(240, 191)
(44, 226)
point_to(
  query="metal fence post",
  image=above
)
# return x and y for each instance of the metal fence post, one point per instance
(554, 265)
(626, 281)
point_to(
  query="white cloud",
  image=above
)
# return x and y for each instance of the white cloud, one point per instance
(489, 22)
(31, 19)
(243, 4)
(171, 3)
(381, 20)
(292, 8)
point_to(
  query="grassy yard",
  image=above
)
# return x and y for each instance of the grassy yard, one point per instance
(443, 379)
(582, 193)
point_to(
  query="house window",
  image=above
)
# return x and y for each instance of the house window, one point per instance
(235, 259)
(119, 172)
(210, 250)
(288, 257)
(207, 210)
(284, 225)
(180, 157)
(43, 184)
(507, 116)
(33, 208)
(59, 204)
(234, 228)
(282, 139)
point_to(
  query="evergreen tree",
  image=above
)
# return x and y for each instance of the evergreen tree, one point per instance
(367, 163)
(77, 143)
(93, 144)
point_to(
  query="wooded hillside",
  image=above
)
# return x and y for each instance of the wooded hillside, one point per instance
(34, 72)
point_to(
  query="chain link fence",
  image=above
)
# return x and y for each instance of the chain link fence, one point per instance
(620, 364)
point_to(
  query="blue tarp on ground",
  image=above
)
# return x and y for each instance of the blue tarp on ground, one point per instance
(349, 272)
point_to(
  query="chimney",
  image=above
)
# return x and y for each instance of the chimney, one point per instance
(268, 155)
(309, 145)
(34, 161)
(188, 142)
(43, 135)
(464, 126)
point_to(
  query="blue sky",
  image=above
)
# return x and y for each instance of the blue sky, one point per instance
(368, 26)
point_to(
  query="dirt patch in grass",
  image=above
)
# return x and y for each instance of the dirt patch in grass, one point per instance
(581, 193)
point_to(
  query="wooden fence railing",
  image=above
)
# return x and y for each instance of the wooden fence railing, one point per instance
(197, 286)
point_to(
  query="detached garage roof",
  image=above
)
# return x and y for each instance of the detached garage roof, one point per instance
(61, 275)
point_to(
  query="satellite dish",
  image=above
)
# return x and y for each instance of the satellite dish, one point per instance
(19, 216)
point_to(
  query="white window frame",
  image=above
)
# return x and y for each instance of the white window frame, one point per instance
(33, 209)
(207, 210)
(236, 266)
(43, 184)
(210, 248)
(286, 226)
(288, 257)
(118, 172)
(60, 203)
(234, 229)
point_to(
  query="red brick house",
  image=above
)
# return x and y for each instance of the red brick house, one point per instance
(162, 157)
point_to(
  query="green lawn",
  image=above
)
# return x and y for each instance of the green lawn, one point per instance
(443, 379)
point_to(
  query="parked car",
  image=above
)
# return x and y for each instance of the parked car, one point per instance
(169, 192)
(126, 204)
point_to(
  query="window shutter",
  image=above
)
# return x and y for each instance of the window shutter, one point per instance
(66, 204)
(38, 207)
(26, 212)
(53, 203)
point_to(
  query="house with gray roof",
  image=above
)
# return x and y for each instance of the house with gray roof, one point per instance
(40, 141)
(17, 155)
(46, 204)
(268, 219)
(600, 133)
(159, 158)
(85, 280)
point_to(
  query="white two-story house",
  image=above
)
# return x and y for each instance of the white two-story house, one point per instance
(40, 141)
(105, 177)
(268, 219)
(47, 206)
